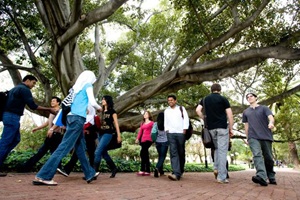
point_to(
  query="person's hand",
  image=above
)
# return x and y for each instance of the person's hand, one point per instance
(119, 139)
(34, 130)
(136, 141)
(231, 133)
(53, 111)
(271, 126)
(86, 132)
(49, 133)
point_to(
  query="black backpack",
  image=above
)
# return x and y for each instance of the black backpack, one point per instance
(189, 131)
(3, 99)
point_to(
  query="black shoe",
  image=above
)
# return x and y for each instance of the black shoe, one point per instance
(259, 180)
(227, 176)
(113, 173)
(3, 174)
(156, 173)
(93, 178)
(272, 181)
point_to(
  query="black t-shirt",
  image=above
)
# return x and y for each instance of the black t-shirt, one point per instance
(215, 109)
(107, 122)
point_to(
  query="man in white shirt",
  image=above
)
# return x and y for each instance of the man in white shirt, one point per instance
(176, 123)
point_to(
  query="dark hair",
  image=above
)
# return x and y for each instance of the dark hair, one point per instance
(160, 121)
(251, 94)
(57, 99)
(215, 87)
(29, 77)
(109, 101)
(172, 96)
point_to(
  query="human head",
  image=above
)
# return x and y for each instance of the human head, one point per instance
(29, 81)
(216, 87)
(148, 115)
(57, 99)
(109, 101)
(85, 77)
(249, 97)
(160, 121)
(172, 100)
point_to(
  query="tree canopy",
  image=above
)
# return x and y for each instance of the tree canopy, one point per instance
(175, 47)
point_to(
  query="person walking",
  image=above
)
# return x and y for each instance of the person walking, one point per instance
(259, 122)
(144, 139)
(176, 123)
(161, 144)
(90, 130)
(18, 98)
(73, 137)
(51, 142)
(218, 111)
(109, 126)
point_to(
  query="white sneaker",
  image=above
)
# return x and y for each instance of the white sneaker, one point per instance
(223, 181)
(62, 172)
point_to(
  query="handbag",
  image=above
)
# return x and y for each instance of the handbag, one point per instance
(154, 132)
(113, 144)
(206, 136)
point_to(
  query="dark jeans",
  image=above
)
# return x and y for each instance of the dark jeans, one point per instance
(177, 152)
(162, 150)
(50, 144)
(90, 146)
(144, 154)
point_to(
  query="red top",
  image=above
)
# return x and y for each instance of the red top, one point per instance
(145, 132)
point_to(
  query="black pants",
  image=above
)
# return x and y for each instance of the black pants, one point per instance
(50, 144)
(145, 159)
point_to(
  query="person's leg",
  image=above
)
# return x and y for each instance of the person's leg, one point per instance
(268, 159)
(55, 140)
(80, 150)
(143, 155)
(68, 168)
(164, 151)
(258, 158)
(175, 163)
(112, 166)
(10, 137)
(181, 152)
(223, 141)
(91, 146)
(147, 157)
(214, 153)
(74, 131)
(27, 166)
(104, 140)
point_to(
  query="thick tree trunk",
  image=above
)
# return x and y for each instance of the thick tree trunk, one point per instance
(294, 155)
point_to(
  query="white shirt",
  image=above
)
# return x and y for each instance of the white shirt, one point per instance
(174, 123)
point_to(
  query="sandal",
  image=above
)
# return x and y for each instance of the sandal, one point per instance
(39, 181)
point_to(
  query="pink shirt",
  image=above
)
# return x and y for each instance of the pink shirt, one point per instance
(145, 132)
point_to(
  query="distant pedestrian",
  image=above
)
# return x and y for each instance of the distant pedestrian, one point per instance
(259, 122)
(218, 111)
(161, 144)
(73, 137)
(18, 98)
(144, 139)
(176, 123)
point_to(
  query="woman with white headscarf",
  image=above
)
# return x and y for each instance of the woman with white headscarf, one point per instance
(73, 137)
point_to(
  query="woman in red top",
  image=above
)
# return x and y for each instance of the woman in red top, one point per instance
(144, 138)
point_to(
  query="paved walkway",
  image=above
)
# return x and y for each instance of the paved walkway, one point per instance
(129, 186)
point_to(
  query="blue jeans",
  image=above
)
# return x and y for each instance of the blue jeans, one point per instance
(263, 158)
(10, 137)
(177, 152)
(221, 140)
(162, 149)
(101, 150)
(73, 138)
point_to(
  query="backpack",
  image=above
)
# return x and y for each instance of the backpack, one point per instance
(3, 100)
(189, 131)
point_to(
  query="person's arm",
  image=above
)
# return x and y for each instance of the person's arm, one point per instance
(51, 110)
(41, 126)
(138, 137)
(199, 111)
(115, 117)
(246, 126)
(92, 100)
(230, 120)
(271, 122)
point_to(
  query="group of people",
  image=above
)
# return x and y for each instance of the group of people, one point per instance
(171, 126)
